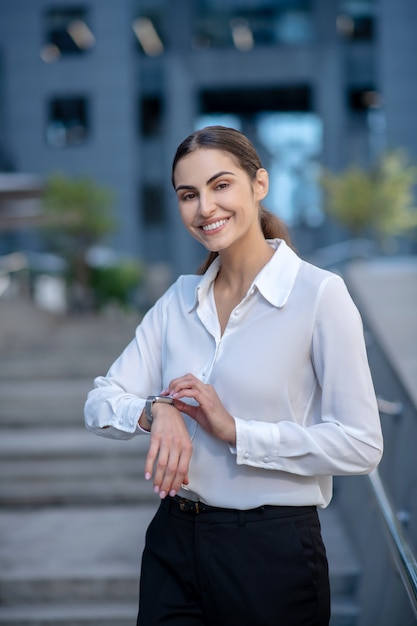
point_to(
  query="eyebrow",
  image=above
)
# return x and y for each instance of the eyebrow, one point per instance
(210, 180)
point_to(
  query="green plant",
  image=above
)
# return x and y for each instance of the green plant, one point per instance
(77, 215)
(379, 199)
(116, 283)
(79, 208)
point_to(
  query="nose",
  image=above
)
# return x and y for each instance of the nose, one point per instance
(206, 205)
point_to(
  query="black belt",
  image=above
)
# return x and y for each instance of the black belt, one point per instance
(182, 505)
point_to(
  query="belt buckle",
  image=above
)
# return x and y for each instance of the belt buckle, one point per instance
(189, 506)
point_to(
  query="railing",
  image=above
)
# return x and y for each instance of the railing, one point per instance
(401, 551)
(400, 548)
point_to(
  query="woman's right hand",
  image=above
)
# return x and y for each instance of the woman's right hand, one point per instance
(169, 452)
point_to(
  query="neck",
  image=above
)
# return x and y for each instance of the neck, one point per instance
(240, 267)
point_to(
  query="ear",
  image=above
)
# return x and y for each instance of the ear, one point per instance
(261, 184)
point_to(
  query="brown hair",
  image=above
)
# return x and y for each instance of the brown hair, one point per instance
(235, 143)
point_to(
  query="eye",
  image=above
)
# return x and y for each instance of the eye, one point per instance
(190, 195)
(222, 185)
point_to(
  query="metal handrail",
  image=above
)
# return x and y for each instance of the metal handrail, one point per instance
(401, 549)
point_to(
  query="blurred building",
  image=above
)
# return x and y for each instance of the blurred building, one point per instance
(108, 88)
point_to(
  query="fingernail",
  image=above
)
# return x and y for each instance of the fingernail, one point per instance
(156, 489)
(164, 392)
(172, 493)
(162, 495)
(147, 476)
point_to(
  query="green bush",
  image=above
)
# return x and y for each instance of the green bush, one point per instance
(116, 283)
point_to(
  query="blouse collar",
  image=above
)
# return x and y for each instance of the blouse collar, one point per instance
(275, 280)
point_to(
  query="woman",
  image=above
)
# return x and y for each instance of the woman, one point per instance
(254, 385)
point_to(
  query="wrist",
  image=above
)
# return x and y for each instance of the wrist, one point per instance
(151, 406)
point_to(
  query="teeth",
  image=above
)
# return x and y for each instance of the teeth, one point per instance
(214, 225)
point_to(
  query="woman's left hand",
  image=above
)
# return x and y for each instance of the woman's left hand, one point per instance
(209, 412)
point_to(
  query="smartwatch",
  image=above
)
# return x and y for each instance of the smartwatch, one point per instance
(150, 401)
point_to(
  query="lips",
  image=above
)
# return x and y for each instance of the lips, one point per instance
(213, 225)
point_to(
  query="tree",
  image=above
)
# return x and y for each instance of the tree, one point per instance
(380, 199)
(77, 215)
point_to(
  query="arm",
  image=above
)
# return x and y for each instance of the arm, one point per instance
(341, 432)
(114, 406)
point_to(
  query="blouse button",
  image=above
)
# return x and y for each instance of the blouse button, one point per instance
(246, 455)
(237, 312)
(266, 459)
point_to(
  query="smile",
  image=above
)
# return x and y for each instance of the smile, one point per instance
(214, 225)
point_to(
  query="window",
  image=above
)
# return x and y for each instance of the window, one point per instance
(361, 99)
(68, 121)
(262, 26)
(248, 100)
(152, 204)
(149, 35)
(66, 33)
(151, 116)
(356, 20)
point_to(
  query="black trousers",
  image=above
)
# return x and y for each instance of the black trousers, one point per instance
(220, 567)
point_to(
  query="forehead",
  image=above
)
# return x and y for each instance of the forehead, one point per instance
(203, 163)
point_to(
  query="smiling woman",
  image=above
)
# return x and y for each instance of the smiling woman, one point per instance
(253, 385)
(211, 148)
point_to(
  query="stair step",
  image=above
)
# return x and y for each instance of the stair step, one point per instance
(99, 614)
(42, 403)
(50, 470)
(66, 443)
(76, 554)
(70, 466)
(345, 611)
(52, 366)
(117, 586)
(36, 343)
(114, 492)
(117, 614)
(344, 563)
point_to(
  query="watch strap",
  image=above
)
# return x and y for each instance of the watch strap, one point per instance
(150, 401)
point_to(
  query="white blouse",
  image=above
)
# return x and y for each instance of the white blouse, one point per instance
(291, 367)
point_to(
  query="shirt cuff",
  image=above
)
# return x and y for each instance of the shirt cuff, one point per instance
(126, 417)
(257, 443)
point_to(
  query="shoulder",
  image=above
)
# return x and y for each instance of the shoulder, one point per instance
(315, 279)
(322, 289)
(182, 290)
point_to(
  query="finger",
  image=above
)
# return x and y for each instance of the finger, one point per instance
(188, 409)
(178, 462)
(161, 468)
(183, 382)
(176, 474)
(151, 457)
(181, 476)
(194, 394)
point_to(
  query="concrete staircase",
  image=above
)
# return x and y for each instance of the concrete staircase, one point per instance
(75, 507)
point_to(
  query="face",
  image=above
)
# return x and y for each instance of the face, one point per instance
(218, 202)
